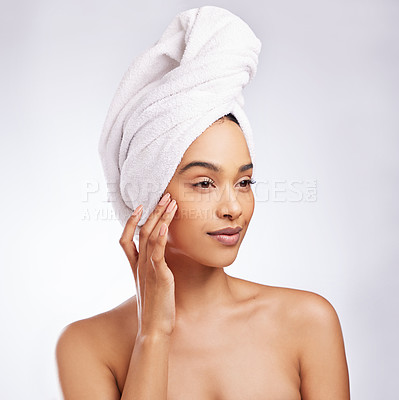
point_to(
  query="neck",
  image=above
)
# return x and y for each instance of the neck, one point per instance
(200, 290)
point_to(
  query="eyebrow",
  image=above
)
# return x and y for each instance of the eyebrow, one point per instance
(212, 167)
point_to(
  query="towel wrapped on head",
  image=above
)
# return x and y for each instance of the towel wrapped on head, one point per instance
(193, 75)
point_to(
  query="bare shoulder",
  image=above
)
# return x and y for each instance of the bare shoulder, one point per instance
(279, 295)
(315, 333)
(84, 352)
(291, 306)
(308, 310)
(301, 306)
(100, 328)
(306, 313)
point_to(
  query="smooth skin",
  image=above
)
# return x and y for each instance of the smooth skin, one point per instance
(192, 331)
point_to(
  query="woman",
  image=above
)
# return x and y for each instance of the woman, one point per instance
(192, 331)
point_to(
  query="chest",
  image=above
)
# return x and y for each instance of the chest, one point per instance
(244, 365)
(238, 368)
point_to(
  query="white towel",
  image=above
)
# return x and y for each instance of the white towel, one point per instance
(193, 75)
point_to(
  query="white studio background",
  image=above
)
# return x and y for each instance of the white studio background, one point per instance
(323, 108)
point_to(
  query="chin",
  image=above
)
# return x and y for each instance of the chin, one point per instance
(218, 258)
(203, 250)
(205, 255)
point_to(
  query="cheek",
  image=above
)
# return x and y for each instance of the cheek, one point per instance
(249, 206)
(187, 221)
(194, 214)
(186, 231)
(252, 202)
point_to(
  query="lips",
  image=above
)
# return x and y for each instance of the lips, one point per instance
(226, 231)
(228, 236)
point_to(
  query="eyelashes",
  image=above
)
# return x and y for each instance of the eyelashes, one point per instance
(247, 182)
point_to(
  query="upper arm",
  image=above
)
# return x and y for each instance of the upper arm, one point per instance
(323, 366)
(82, 373)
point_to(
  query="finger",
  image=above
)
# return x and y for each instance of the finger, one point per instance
(158, 253)
(126, 240)
(166, 217)
(146, 271)
(147, 228)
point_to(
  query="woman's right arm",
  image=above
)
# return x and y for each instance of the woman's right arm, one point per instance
(83, 375)
(147, 376)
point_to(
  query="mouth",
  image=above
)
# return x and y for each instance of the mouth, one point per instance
(226, 231)
(227, 236)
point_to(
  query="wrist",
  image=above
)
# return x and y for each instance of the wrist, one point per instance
(152, 337)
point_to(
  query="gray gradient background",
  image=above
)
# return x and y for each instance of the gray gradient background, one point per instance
(323, 107)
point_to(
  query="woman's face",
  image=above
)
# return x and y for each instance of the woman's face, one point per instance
(210, 200)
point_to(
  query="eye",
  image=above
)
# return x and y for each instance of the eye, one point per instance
(247, 182)
(244, 183)
(206, 182)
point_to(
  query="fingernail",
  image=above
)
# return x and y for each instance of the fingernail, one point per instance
(171, 205)
(164, 199)
(137, 210)
(162, 231)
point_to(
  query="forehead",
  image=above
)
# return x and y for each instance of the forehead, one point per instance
(223, 142)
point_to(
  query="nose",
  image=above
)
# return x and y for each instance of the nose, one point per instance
(228, 205)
